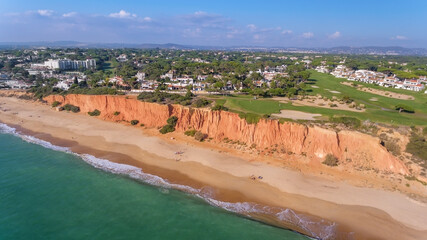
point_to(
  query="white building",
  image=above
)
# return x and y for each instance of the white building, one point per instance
(140, 76)
(322, 69)
(67, 64)
(64, 85)
(122, 58)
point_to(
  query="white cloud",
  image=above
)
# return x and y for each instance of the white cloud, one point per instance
(122, 14)
(259, 38)
(148, 19)
(286, 32)
(399, 37)
(189, 32)
(70, 14)
(200, 13)
(251, 27)
(203, 20)
(45, 13)
(335, 35)
(308, 35)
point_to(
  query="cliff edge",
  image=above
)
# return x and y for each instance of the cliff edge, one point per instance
(360, 149)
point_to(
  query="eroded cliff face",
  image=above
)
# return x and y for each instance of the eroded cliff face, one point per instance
(315, 142)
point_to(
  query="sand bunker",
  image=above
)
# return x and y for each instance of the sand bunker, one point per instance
(373, 99)
(314, 86)
(296, 115)
(381, 92)
(333, 91)
(319, 102)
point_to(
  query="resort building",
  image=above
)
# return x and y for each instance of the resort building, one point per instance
(66, 64)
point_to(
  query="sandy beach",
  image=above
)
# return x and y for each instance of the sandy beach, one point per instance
(358, 212)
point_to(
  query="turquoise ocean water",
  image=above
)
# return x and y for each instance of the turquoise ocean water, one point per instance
(50, 194)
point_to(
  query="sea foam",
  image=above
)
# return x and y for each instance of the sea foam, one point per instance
(318, 229)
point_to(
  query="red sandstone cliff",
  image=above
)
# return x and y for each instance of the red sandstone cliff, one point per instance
(315, 142)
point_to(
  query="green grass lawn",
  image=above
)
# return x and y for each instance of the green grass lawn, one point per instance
(109, 65)
(250, 105)
(381, 110)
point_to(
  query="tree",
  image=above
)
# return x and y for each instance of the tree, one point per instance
(292, 92)
(273, 84)
(304, 75)
(189, 95)
(218, 85)
(276, 92)
(404, 108)
(258, 92)
(83, 84)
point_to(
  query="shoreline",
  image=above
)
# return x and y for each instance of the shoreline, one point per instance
(173, 179)
(364, 219)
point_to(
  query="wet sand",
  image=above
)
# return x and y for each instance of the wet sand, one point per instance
(366, 212)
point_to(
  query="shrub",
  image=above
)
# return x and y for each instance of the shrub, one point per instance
(26, 97)
(219, 107)
(250, 118)
(172, 121)
(417, 146)
(116, 113)
(95, 112)
(201, 102)
(347, 121)
(392, 147)
(404, 108)
(56, 104)
(170, 127)
(199, 136)
(163, 97)
(167, 128)
(94, 91)
(72, 108)
(190, 133)
(142, 125)
(347, 99)
(134, 122)
(391, 144)
(331, 160)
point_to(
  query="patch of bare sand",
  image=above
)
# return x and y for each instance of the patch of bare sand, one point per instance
(296, 115)
(320, 102)
(381, 92)
(333, 91)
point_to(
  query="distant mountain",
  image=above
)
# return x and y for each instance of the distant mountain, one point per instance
(75, 44)
(370, 50)
(378, 50)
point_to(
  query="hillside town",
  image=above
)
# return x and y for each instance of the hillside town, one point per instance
(179, 70)
(378, 78)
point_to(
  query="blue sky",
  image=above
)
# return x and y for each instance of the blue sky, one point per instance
(302, 23)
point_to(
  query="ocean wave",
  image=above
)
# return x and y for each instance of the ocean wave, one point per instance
(319, 229)
(133, 172)
(6, 129)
